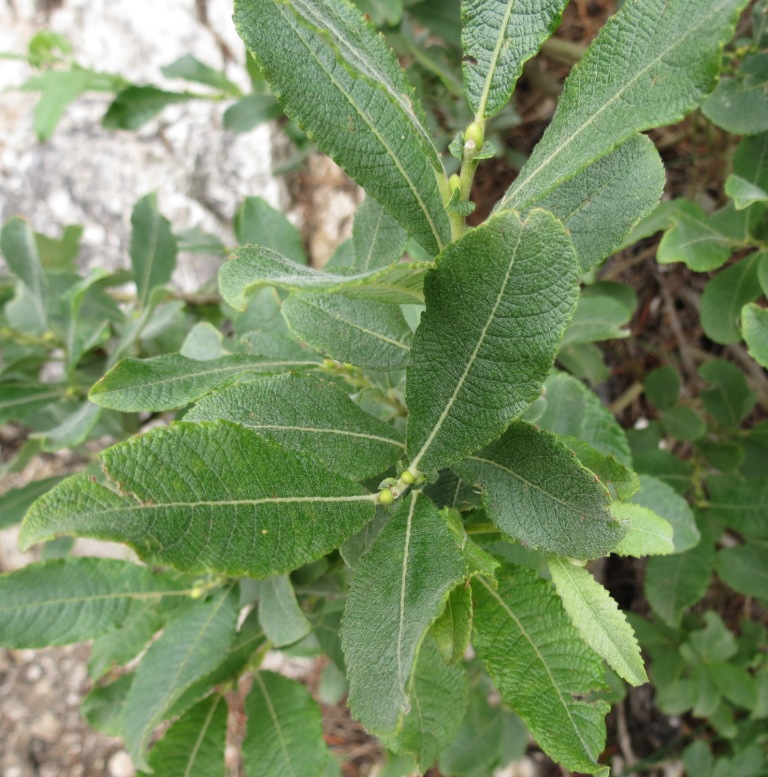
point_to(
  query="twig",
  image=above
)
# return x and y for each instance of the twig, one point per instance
(622, 734)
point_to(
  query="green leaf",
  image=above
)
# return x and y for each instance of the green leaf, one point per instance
(257, 222)
(18, 400)
(190, 68)
(743, 192)
(683, 423)
(656, 495)
(405, 578)
(541, 667)
(755, 323)
(608, 469)
(15, 502)
(738, 104)
(191, 645)
(596, 318)
(598, 619)
(284, 737)
(311, 417)
(217, 497)
(254, 266)
(470, 375)
(662, 387)
(498, 37)
(262, 330)
(741, 505)
(600, 204)
(367, 334)
(649, 534)
(17, 242)
(730, 400)
(104, 706)
(627, 83)
(535, 490)
(438, 698)
(694, 240)
(204, 342)
(60, 253)
(382, 11)
(72, 600)
(361, 111)
(280, 616)
(153, 247)
(194, 745)
(749, 182)
(725, 296)
(452, 630)
(735, 683)
(674, 583)
(170, 381)
(377, 239)
(73, 430)
(743, 568)
(136, 105)
(251, 111)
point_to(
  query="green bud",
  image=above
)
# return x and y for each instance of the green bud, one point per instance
(474, 133)
(407, 477)
(454, 182)
(386, 497)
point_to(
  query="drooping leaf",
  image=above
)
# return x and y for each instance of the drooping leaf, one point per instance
(438, 698)
(755, 325)
(541, 667)
(658, 496)
(258, 223)
(153, 247)
(649, 534)
(194, 745)
(749, 182)
(311, 417)
(743, 568)
(191, 645)
(535, 490)
(738, 104)
(279, 613)
(628, 82)
(284, 737)
(377, 239)
(250, 111)
(254, 266)
(694, 240)
(405, 578)
(134, 106)
(216, 497)
(361, 110)
(470, 375)
(598, 619)
(498, 37)
(15, 502)
(600, 205)
(17, 242)
(172, 380)
(190, 68)
(72, 600)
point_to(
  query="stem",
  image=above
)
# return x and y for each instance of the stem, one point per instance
(474, 138)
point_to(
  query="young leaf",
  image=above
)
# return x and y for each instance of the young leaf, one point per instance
(285, 729)
(216, 498)
(755, 324)
(694, 240)
(281, 617)
(72, 600)
(598, 619)
(153, 247)
(172, 380)
(541, 667)
(597, 317)
(498, 37)
(377, 239)
(470, 375)
(649, 534)
(360, 332)
(629, 82)
(535, 490)
(257, 222)
(361, 110)
(254, 266)
(438, 698)
(405, 579)
(600, 204)
(311, 417)
(194, 745)
(191, 645)
(749, 182)
(656, 495)
(738, 104)
(743, 568)
(452, 630)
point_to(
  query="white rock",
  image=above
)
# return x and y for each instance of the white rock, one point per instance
(120, 765)
(46, 727)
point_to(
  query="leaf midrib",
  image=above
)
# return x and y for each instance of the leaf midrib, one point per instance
(314, 430)
(480, 113)
(276, 722)
(201, 735)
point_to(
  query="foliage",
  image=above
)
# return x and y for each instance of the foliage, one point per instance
(381, 455)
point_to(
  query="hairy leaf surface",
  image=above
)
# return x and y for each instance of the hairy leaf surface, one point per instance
(377, 239)
(649, 534)
(470, 375)
(208, 497)
(257, 222)
(279, 613)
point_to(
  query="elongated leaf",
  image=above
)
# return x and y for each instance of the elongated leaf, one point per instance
(453, 629)
(600, 205)
(438, 698)
(405, 579)
(136, 105)
(755, 324)
(361, 111)
(216, 497)
(279, 613)
(377, 239)
(17, 242)
(153, 247)
(257, 222)
(73, 430)
(743, 568)
(190, 68)
(285, 729)
(535, 490)
(311, 417)
(498, 37)
(254, 266)
(71, 600)
(598, 619)
(191, 645)
(15, 502)
(194, 745)
(172, 380)
(470, 375)
(18, 400)
(360, 332)
(648, 535)
(541, 667)
(738, 104)
(651, 64)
